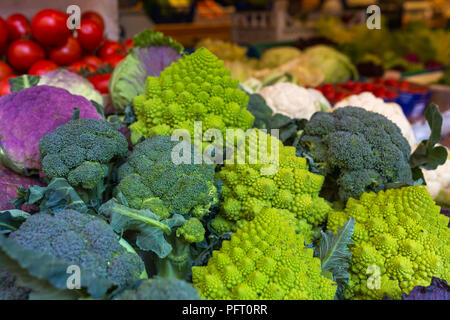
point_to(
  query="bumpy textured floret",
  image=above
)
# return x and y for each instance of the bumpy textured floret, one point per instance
(401, 234)
(248, 189)
(160, 289)
(192, 231)
(151, 179)
(357, 150)
(196, 88)
(265, 259)
(81, 152)
(9, 290)
(83, 240)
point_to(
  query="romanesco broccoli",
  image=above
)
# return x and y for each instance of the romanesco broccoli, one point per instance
(401, 234)
(198, 87)
(247, 191)
(265, 259)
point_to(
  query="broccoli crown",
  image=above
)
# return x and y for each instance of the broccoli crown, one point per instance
(9, 290)
(246, 191)
(357, 150)
(159, 289)
(399, 232)
(265, 259)
(83, 240)
(192, 231)
(151, 180)
(198, 87)
(80, 151)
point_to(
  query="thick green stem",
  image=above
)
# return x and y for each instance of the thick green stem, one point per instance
(176, 264)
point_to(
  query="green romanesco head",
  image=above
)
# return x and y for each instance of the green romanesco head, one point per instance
(357, 150)
(399, 236)
(198, 87)
(265, 259)
(81, 151)
(248, 189)
(152, 179)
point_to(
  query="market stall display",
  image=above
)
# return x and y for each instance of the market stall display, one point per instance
(269, 171)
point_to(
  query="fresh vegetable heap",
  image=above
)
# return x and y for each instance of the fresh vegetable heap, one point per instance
(333, 205)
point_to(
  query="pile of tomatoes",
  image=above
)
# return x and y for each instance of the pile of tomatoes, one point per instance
(46, 43)
(337, 92)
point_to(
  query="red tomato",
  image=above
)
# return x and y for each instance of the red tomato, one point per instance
(94, 16)
(93, 61)
(110, 48)
(22, 54)
(90, 34)
(368, 87)
(49, 27)
(115, 59)
(79, 66)
(129, 44)
(3, 36)
(5, 70)
(66, 54)
(391, 95)
(5, 87)
(100, 82)
(327, 88)
(18, 27)
(41, 67)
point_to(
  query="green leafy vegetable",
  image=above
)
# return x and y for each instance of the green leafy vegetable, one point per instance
(10, 220)
(23, 82)
(335, 255)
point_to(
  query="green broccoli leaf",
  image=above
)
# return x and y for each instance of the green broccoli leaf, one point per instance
(23, 82)
(99, 108)
(10, 220)
(427, 155)
(335, 256)
(57, 196)
(151, 228)
(76, 114)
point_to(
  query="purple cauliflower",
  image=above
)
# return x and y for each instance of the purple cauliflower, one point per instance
(9, 182)
(28, 115)
(437, 290)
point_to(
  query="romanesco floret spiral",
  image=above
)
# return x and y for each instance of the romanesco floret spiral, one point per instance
(402, 233)
(265, 259)
(198, 87)
(247, 191)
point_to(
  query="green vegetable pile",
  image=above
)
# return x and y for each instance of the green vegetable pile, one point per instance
(126, 208)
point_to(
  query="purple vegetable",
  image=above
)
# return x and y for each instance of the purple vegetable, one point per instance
(129, 76)
(28, 115)
(437, 290)
(9, 182)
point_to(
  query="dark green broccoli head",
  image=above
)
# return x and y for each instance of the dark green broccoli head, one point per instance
(160, 289)
(80, 151)
(357, 150)
(9, 289)
(83, 240)
(151, 179)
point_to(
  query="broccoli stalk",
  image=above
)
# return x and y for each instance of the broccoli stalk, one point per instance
(176, 264)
